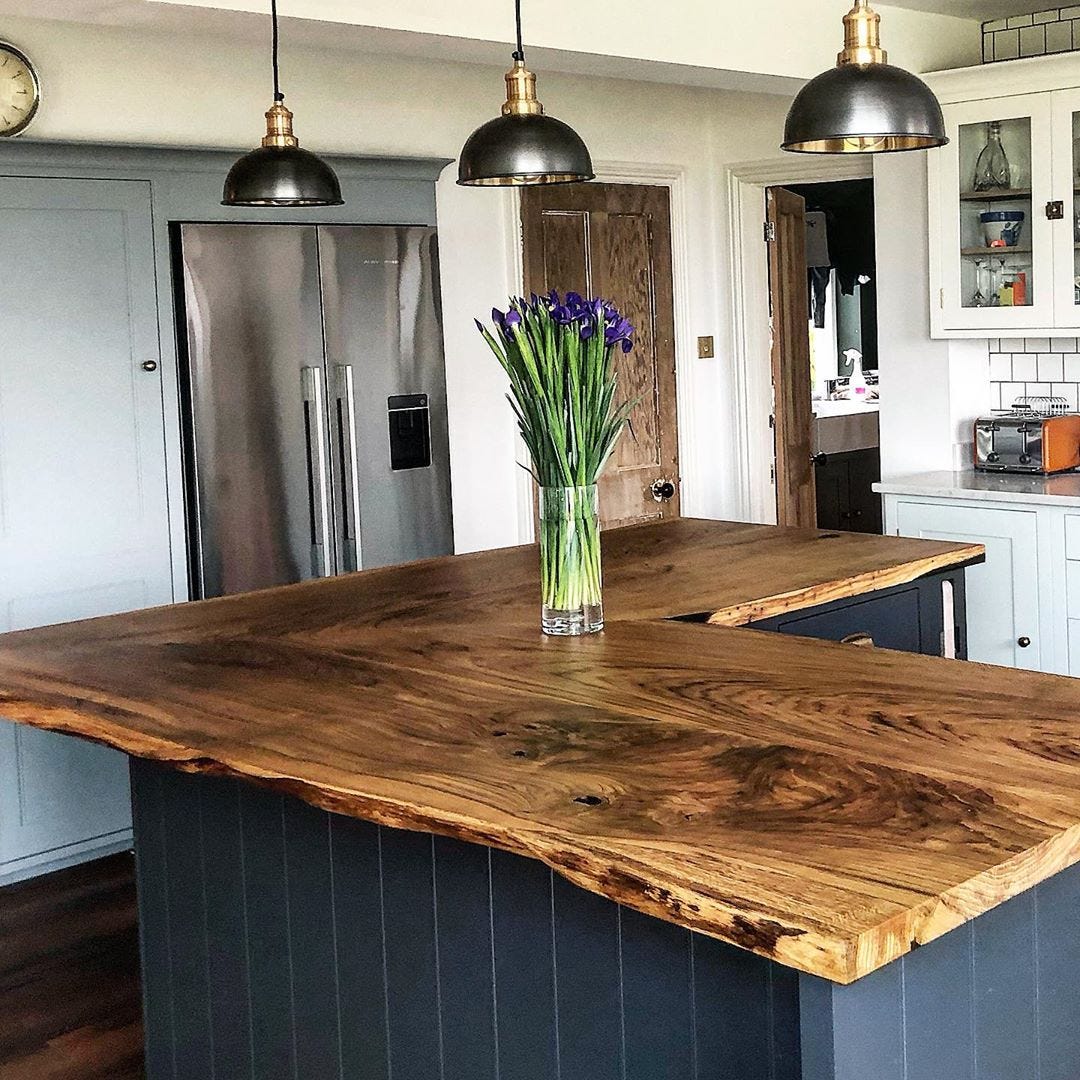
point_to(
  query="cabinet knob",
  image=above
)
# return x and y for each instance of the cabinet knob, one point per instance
(1024, 642)
(149, 365)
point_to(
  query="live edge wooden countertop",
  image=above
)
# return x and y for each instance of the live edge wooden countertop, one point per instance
(827, 807)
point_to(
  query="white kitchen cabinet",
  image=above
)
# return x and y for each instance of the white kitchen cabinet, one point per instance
(1035, 106)
(84, 527)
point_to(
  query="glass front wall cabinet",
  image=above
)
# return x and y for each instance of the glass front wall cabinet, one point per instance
(995, 267)
(1067, 187)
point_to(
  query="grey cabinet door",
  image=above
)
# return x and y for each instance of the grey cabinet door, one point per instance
(1002, 593)
(83, 514)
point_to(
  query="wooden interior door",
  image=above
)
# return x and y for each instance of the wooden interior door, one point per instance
(790, 305)
(614, 241)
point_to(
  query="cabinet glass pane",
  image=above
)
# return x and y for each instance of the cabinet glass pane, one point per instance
(1076, 205)
(995, 214)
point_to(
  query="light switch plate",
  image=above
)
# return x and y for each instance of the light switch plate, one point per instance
(705, 349)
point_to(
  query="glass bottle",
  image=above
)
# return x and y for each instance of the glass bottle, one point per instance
(992, 168)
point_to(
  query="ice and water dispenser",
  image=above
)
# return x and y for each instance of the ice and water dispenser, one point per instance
(410, 431)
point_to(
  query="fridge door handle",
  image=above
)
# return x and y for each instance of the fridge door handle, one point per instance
(315, 437)
(343, 417)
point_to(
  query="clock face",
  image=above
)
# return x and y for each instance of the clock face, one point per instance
(20, 91)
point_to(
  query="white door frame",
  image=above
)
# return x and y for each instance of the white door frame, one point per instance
(751, 332)
(673, 177)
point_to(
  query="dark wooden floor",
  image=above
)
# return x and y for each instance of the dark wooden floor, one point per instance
(69, 975)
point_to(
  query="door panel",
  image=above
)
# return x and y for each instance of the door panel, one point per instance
(614, 240)
(384, 338)
(1003, 592)
(83, 513)
(253, 322)
(792, 411)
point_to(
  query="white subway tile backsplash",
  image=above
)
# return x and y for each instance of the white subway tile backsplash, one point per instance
(1010, 391)
(1037, 389)
(1063, 344)
(995, 395)
(1025, 366)
(1053, 30)
(1072, 367)
(1059, 37)
(1070, 392)
(1012, 344)
(1000, 367)
(1051, 367)
(1035, 345)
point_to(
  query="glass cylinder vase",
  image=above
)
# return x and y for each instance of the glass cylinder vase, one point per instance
(570, 580)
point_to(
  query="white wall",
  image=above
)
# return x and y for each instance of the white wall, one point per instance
(930, 390)
(116, 84)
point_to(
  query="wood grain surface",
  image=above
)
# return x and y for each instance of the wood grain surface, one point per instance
(826, 811)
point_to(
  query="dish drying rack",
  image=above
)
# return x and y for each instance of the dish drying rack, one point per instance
(1037, 406)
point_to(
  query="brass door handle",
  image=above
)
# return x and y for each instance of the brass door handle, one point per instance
(861, 639)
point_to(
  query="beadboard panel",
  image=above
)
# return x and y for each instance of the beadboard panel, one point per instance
(996, 999)
(281, 941)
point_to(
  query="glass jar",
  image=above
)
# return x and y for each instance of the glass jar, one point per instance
(570, 577)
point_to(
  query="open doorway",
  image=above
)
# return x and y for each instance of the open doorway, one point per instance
(823, 307)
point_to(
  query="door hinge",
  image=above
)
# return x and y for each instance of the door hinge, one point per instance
(770, 232)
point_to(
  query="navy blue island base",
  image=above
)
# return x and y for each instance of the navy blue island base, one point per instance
(282, 942)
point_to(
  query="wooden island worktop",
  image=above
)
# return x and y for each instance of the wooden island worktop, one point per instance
(825, 810)
(605, 819)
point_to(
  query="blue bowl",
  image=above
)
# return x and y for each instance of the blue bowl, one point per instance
(1002, 228)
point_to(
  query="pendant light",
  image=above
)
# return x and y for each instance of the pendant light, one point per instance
(279, 173)
(864, 105)
(523, 146)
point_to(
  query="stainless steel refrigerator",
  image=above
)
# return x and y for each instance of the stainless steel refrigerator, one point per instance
(315, 401)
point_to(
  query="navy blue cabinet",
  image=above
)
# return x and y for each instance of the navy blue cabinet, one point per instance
(925, 616)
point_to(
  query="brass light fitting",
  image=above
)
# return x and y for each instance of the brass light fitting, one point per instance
(864, 105)
(862, 36)
(521, 92)
(279, 130)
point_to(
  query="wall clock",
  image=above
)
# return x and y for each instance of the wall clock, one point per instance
(20, 90)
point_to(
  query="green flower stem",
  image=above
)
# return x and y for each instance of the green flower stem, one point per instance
(570, 573)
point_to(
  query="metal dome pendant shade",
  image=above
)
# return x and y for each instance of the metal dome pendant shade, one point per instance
(523, 146)
(864, 105)
(279, 173)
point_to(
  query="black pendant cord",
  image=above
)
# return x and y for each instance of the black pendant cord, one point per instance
(278, 95)
(519, 54)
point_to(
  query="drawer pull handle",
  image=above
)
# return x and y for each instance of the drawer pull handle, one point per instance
(862, 639)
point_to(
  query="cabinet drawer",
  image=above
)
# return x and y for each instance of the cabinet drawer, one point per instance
(1072, 536)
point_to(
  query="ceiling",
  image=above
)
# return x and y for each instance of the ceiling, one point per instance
(983, 10)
